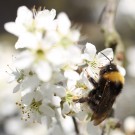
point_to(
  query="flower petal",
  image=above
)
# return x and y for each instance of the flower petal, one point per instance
(24, 16)
(72, 75)
(59, 91)
(106, 56)
(24, 60)
(17, 88)
(30, 82)
(56, 101)
(76, 58)
(44, 19)
(46, 110)
(13, 28)
(27, 98)
(38, 96)
(66, 108)
(47, 91)
(43, 71)
(63, 23)
(89, 52)
(71, 84)
(28, 40)
(57, 56)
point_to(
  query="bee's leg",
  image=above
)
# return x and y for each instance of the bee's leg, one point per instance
(81, 100)
(95, 84)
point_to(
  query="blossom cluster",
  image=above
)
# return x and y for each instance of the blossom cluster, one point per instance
(51, 70)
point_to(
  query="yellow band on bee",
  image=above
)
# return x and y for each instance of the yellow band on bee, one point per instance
(114, 76)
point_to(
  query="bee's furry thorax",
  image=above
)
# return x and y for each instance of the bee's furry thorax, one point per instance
(114, 77)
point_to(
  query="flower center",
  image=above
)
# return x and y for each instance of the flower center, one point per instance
(40, 54)
(93, 64)
(69, 97)
(31, 28)
(35, 105)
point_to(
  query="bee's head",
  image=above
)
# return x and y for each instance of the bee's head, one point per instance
(108, 68)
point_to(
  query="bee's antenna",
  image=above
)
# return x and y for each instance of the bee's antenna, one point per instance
(106, 57)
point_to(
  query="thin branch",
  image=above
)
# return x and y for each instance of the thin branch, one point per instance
(112, 37)
(107, 18)
(103, 131)
(76, 126)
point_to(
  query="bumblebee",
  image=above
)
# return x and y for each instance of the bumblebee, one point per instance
(105, 91)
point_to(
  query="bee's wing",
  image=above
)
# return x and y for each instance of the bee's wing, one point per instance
(105, 105)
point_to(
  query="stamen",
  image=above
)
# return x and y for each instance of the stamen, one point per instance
(28, 111)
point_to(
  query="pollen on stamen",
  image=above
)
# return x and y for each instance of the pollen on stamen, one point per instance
(28, 111)
(25, 111)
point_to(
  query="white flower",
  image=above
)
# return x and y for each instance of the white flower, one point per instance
(16, 75)
(77, 87)
(24, 60)
(71, 75)
(47, 110)
(24, 18)
(68, 36)
(27, 81)
(64, 23)
(28, 96)
(28, 21)
(73, 55)
(30, 81)
(38, 40)
(30, 27)
(45, 19)
(34, 108)
(36, 62)
(43, 70)
(29, 40)
(66, 108)
(84, 82)
(57, 56)
(89, 52)
(60, 56)
(49, 90)
(94, 60)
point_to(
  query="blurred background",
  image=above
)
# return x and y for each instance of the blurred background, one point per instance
(84, 13)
